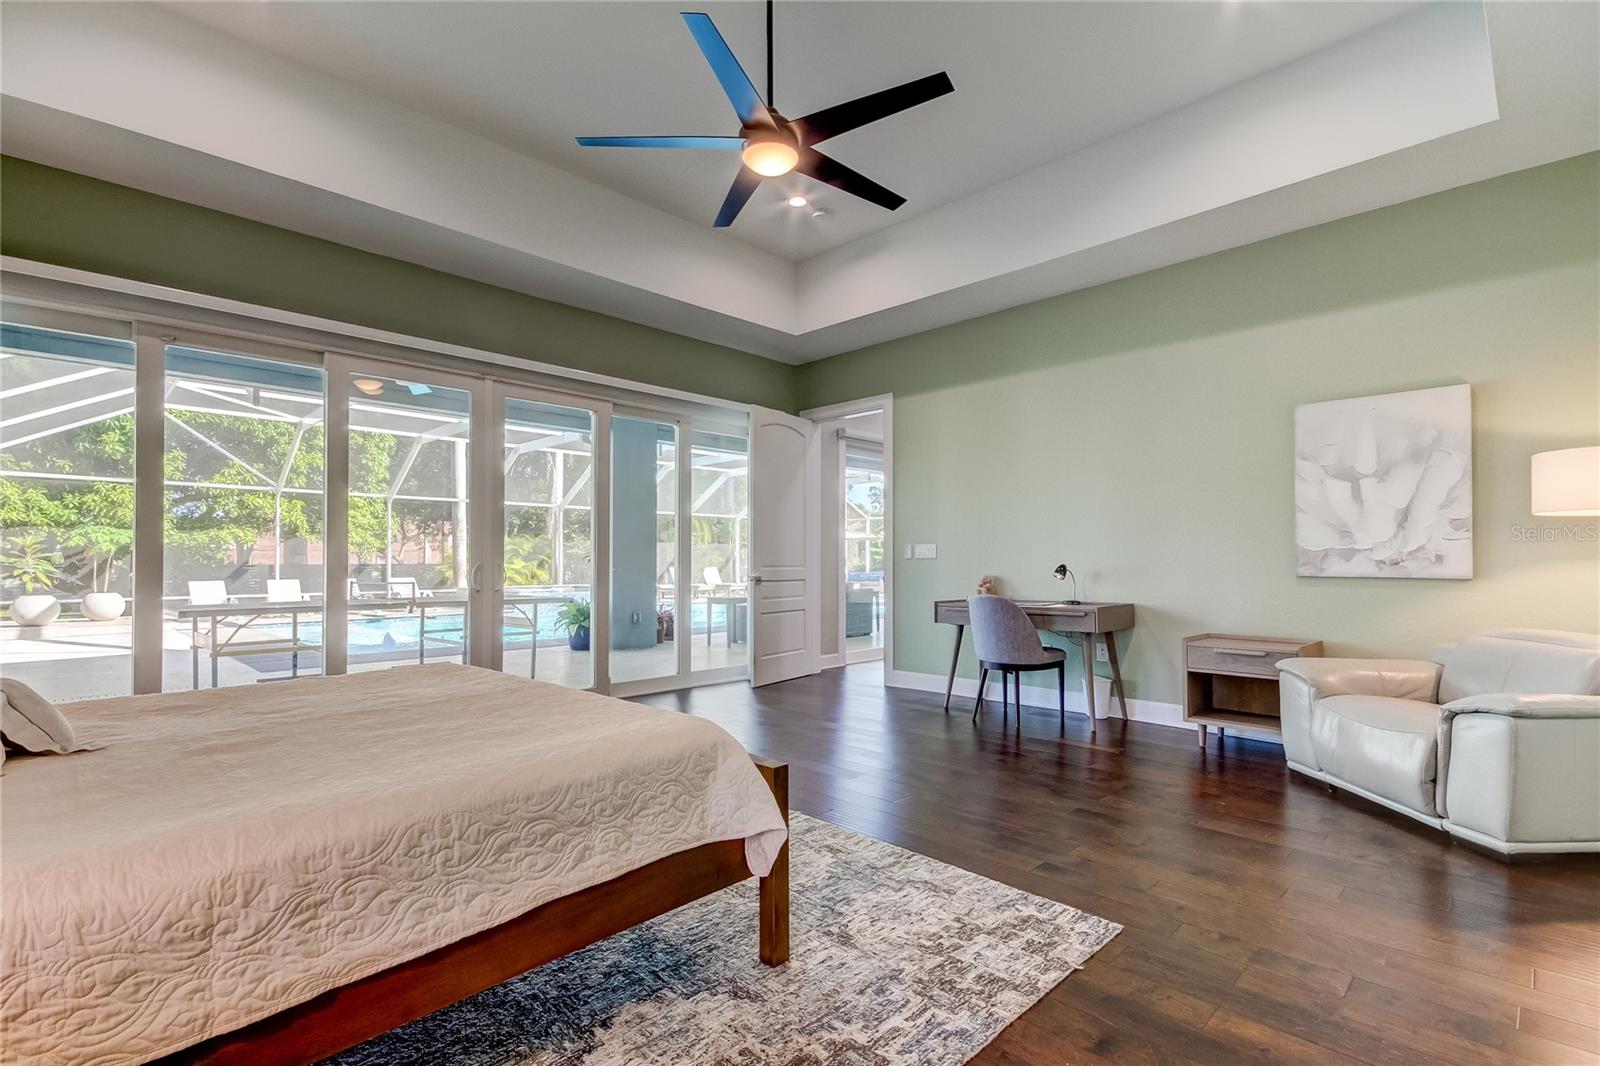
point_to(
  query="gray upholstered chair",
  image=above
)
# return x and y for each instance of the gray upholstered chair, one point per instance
(1006, 641)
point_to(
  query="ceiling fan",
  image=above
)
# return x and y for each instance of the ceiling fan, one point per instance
(771, 145)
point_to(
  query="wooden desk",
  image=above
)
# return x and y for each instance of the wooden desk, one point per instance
(1091, 619)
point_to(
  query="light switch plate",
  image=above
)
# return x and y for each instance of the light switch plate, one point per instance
(908, 551)
(927, 551)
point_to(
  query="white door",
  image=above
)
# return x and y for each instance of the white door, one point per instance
(785, 547)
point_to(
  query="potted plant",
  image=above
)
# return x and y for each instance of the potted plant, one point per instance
(104, 545)
(27, 561)
(574, 618)
(663, 624)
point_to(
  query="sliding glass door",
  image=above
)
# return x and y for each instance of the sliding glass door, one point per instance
(405, 588)
(66, 510)
(553, 471)
(187, 509)
(243, 542)
(645, 570)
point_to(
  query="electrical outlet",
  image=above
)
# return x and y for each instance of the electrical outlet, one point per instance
(635, 617)
(1100, 655)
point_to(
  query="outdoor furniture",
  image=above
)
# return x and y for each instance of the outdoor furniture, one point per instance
(530, 617)
(860, 611)
(209, 593)
(406, 587)
(1005, 640)
(209, 600)
(731, 598)
(285, 590)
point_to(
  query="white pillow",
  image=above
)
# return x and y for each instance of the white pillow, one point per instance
(31, 723)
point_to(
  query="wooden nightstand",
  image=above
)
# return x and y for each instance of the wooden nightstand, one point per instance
(1232, 682)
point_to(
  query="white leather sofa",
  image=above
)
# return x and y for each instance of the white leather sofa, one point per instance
(1495, 740)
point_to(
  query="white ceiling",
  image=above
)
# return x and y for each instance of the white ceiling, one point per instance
(1084, 142)
(1034, 82)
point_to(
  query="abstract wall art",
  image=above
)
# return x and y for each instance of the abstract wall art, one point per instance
(1383, 485)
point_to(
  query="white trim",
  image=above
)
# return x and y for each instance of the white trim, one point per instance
(883, 402)
(832, 662)
(1153, 711)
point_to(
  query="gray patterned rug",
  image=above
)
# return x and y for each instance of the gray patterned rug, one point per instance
(897, 959)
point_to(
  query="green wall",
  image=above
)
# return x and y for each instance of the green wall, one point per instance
(1142, 431)
(54, 216)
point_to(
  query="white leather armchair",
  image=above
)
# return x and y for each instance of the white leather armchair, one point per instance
(1496, 740)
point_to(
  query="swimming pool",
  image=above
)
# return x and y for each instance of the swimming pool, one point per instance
(398, 632)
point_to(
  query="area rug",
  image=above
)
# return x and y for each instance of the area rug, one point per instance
(896, 959)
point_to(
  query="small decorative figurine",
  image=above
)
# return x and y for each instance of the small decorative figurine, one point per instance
(986, 586)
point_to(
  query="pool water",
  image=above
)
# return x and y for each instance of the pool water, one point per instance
(373, 633)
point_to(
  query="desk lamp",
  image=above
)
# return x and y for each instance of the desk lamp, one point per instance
(1062, 573)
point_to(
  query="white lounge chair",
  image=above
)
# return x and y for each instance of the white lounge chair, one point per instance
(285, 590)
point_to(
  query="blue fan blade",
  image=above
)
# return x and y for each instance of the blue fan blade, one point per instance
(713, 144)
(744, 183)
(741, 94)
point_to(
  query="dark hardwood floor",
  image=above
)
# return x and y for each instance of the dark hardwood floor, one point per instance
(1266, 920)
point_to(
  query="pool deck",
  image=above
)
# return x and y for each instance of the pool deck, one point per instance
(81, 660)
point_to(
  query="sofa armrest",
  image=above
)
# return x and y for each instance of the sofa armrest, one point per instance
(1406, 679)
(1526, 705)
(1302, 682)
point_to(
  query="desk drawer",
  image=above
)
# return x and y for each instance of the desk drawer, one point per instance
(1240, 658)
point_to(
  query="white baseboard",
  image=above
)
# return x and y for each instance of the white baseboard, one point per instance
(833, 662)
(1138, 710)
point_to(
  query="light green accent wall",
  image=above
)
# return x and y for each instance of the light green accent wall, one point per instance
(54, 216)
(1142, 431)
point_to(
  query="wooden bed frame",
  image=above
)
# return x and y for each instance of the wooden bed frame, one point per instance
(343, 1017)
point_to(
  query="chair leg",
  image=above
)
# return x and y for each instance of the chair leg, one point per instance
(983, 679)
(1019, 701)
(1005, 695)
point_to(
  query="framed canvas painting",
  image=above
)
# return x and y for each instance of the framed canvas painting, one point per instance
(1383, 485)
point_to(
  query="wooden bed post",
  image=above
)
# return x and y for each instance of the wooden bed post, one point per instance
(775, 886)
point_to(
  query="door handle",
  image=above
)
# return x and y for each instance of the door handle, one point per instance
(477, 578)
(500, 582)
(755, 579)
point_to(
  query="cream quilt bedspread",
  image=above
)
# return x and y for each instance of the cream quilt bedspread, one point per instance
(229, 853)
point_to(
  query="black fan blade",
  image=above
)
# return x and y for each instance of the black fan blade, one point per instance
(841, 118)
(714, 144)
(830, 171)
(744, 183)
(741, 94)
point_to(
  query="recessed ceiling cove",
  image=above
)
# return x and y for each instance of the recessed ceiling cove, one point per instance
(1086, 141)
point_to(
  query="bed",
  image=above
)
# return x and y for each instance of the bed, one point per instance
(275, 873)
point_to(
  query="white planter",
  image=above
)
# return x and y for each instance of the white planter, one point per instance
(35, 609)
(103, 606)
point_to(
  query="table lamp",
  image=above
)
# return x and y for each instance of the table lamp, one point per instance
(1062, 573)
(1566, 483)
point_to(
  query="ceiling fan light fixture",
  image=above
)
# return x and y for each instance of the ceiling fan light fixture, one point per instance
(769, 153)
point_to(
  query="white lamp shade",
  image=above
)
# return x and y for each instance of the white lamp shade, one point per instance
(1566, 483)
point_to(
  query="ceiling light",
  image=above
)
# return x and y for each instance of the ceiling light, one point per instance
(370, 386)
(769, 153)
(818, 213)
(797, 201)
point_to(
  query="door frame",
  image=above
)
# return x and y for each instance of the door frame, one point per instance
(831, 413)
